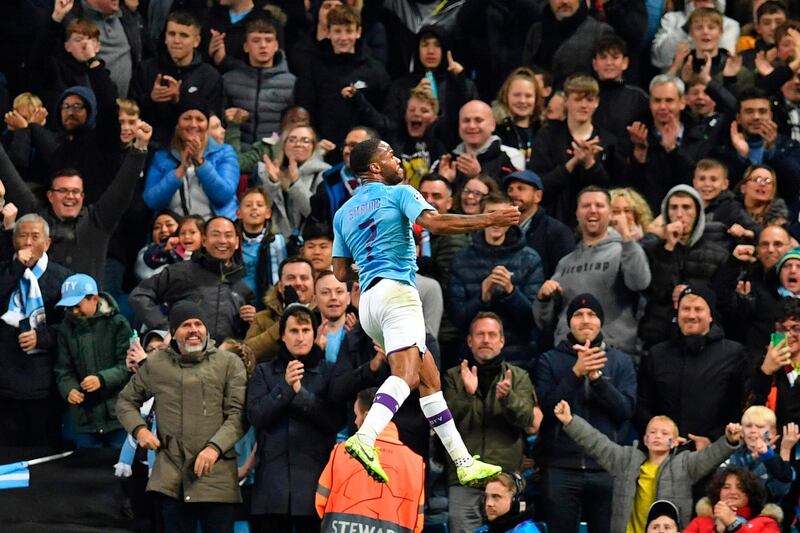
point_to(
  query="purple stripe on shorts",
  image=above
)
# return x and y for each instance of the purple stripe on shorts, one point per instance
(387, 401)
(441, 418)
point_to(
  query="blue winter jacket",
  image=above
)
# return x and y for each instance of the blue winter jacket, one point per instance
(213, 188)
(471, 265)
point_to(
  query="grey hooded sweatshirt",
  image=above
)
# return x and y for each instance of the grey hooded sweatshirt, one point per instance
(614, 271)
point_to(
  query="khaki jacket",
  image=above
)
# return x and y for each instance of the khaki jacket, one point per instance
(199, 402)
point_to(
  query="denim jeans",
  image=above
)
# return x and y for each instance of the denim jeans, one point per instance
(572, 494)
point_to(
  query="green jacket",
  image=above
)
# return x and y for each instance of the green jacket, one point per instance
(199, 402)
(94, 346)
(491, 428)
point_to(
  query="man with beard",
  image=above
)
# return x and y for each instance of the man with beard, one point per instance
(199, 396)
(373, 231)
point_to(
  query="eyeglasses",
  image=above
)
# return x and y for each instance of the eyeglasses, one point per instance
(794, 329)
(761, 180)
(76, 106)
(473, 192)
(67, 192)
(299, 140)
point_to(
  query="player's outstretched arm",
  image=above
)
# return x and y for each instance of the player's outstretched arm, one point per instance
(448, 223)
(343, 269)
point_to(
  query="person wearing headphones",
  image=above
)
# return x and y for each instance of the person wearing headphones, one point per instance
(504, 509)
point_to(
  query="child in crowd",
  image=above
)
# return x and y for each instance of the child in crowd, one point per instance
(658, 472)
(726, 218)
(318, 245)
(759, 432)
(128, 116)
(90, 370)
(190, 235)
(262, 249)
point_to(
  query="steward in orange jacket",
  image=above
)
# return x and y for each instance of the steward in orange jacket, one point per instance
(347, 495)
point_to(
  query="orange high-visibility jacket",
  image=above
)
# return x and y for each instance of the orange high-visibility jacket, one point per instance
(348, 497)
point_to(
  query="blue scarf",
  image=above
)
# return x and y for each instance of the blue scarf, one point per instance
(26, 302)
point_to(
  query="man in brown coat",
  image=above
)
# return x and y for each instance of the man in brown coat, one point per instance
(199, 398)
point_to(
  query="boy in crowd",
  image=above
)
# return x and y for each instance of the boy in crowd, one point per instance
(759, 431)
(726, 218)
(341, 65)
(620, 104)
(90, 369)
(649, 475)
(769, 16)
(162, 82)
(264, 87)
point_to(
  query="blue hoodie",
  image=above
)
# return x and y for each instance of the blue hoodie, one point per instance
(87, 95)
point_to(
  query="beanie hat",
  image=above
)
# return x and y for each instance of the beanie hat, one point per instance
(183, 311)
(794, 253)
(587, 301)
(704, 292)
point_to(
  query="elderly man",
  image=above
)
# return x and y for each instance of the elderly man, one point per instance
(295, 284)
(214, 278)
(697, 379)
(492, 405)
(665, 154)
(199, 396)
(480, 152)
(30, 287)
(599, 382)
(80, 233)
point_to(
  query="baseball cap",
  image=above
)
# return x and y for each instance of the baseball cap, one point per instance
(663, 508)
(75, 288)
(525, 176)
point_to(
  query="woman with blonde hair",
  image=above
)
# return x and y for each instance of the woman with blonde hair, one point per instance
(628, 202)
(518, 110)
(292, 178)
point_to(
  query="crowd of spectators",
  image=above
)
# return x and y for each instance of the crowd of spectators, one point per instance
(169, 172)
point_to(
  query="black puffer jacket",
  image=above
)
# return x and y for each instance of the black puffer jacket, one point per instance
(552, 149)
(698, 261)
(218, 289)
(320, 93)
(199, 82)
(697, 381)
(30, 376)
(723, 212)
